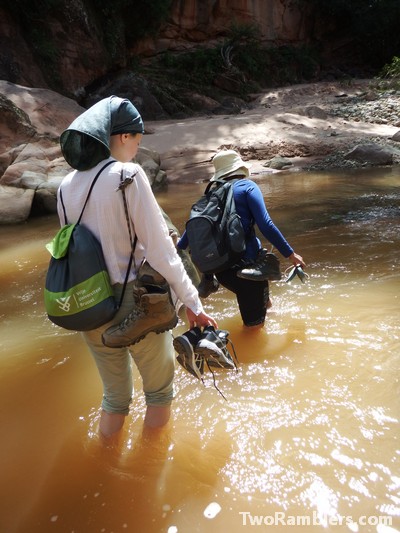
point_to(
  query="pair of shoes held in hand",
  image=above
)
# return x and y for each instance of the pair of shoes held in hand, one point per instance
(296, 271)
(195, 347)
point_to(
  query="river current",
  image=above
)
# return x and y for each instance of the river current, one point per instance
(308, 436)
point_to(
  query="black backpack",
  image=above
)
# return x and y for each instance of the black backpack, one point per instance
(214, 230)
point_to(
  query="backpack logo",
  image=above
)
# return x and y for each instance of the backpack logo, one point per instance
(63, 303)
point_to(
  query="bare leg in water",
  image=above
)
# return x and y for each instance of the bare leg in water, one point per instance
(112, 423)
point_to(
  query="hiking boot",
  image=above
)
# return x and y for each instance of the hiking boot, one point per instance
(265, 267)
(207, 285)
(212, 346)
(153, 311)
(187, 358)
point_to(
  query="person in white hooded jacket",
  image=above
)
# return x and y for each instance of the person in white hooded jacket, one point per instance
(112, 130)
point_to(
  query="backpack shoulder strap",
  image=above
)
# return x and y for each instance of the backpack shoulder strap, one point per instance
(122, 186)
(216, 184)
(63, 206)
(88, 194)
(91, 187)
(220, 183)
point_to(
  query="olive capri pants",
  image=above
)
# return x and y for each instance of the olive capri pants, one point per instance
(153, 356)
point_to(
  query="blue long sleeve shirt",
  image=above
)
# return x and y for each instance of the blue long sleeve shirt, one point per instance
(251, 208)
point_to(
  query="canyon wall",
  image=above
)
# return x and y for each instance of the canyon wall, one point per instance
(78, 52)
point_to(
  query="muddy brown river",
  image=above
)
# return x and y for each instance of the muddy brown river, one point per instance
(308, 438)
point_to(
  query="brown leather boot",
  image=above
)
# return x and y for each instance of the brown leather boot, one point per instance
(154, 311)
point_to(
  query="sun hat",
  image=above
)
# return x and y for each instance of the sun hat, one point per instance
(229, 163)
(86, 141)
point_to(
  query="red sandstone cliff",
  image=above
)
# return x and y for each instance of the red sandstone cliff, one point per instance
(81, 54)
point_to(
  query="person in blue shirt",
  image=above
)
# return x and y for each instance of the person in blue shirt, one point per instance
(252, 294)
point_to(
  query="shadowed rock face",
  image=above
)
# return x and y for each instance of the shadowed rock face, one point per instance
(193, 21)
(275, 19)
(16, 129)
(79, 53)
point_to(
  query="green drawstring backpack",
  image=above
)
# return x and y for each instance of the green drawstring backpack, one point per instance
(78, 294)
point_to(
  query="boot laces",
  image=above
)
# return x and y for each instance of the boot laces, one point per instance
(133, 315)
(214, 382)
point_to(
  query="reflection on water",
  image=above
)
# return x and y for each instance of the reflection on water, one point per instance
(308, 438)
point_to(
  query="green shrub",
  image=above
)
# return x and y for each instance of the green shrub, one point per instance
(392, 69)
